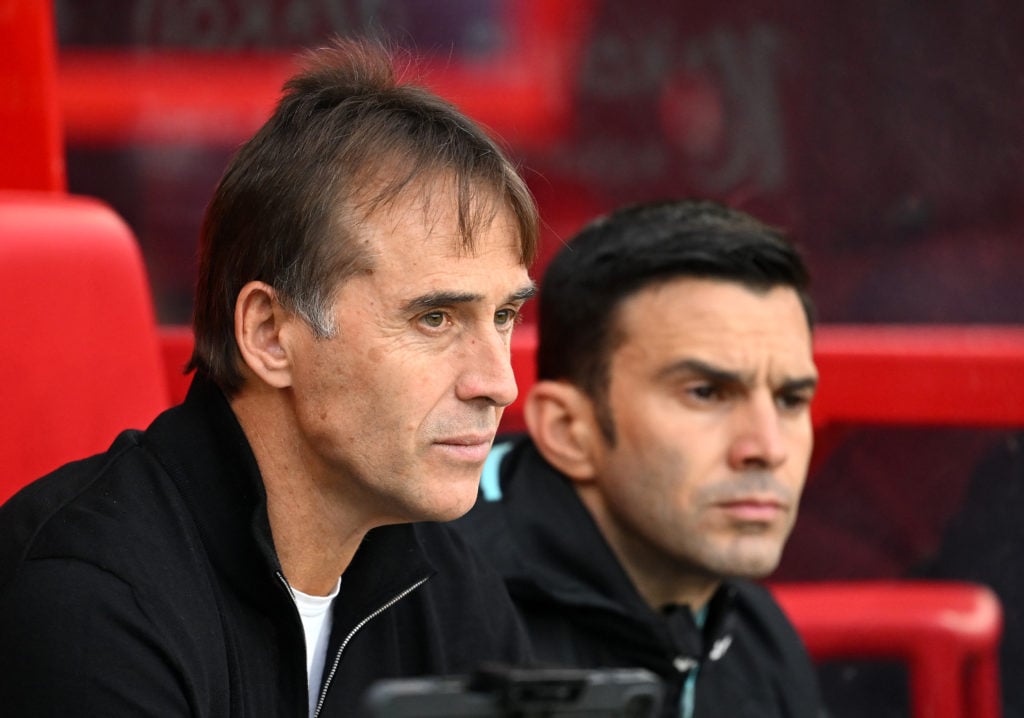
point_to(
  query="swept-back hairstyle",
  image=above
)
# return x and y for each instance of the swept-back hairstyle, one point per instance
(636, 247)
(346, 139)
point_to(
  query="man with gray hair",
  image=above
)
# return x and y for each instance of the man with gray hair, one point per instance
(260, 550)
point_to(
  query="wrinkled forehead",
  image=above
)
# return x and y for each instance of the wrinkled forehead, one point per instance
(447, 205)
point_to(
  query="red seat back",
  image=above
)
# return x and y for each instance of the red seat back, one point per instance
(947, 634)
(31, 138)
(83, 359)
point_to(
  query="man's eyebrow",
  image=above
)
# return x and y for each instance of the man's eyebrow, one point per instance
(433, 300)
(800, 384)
(704, 369)
(728, 376)
(528, 291)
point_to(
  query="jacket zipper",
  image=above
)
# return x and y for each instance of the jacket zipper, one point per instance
(358, 626)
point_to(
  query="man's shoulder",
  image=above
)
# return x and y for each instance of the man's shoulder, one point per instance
(99, 510)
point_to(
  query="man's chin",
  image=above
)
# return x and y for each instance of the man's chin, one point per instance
(461, 508)
(755, 567)
(455, 501)
(751, 561)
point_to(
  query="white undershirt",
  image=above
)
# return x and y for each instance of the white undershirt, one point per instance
(315, 612)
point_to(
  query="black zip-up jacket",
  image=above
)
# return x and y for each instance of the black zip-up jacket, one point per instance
(144, 582)
(581, 608)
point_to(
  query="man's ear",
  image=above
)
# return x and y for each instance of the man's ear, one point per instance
(561, 421)
(260, 323)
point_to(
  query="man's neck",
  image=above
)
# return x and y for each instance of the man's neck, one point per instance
(659, 580)
(658, 591)
(312, 550)
(316, 533)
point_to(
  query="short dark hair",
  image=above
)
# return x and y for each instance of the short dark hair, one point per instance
(633, 248)
(346, 139)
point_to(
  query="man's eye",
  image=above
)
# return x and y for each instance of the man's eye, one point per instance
(704, 392)
(434, 320)
(794, 401)
(503, 317)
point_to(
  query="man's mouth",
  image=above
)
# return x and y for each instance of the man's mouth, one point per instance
(753, 509)
(467, 447)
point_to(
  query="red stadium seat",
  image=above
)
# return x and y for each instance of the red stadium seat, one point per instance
(946, 633)
(31, 142)
(84, 358)
(176, 344)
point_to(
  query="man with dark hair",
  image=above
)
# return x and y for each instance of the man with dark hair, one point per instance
(254, 552)
(669, 442)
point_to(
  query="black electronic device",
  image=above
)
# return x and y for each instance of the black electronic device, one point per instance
(500, 692)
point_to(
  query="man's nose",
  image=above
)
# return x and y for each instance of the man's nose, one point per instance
(759, 439)
(487, 370)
